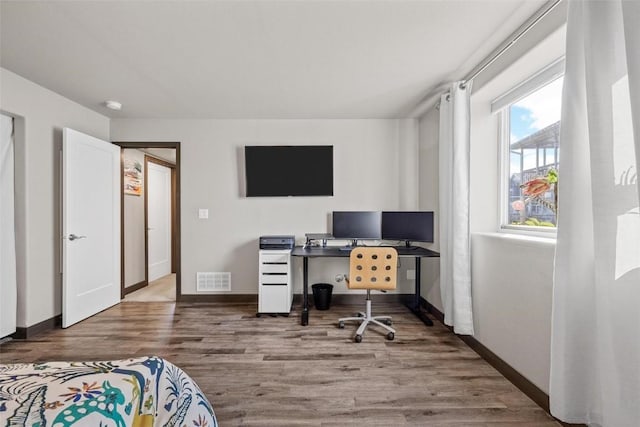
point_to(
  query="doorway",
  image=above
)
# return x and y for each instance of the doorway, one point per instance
(150, 221)
(159, 191)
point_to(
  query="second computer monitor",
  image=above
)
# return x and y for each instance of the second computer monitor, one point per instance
(408, 226)
(357, 225)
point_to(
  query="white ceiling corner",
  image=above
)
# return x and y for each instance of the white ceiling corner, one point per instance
(252, 59)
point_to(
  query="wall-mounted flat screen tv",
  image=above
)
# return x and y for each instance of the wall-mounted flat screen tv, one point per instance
(288, 170)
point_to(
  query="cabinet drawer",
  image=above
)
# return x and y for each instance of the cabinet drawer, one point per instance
(274, 299)
(274, 268)
(274, 258)
(269, 279)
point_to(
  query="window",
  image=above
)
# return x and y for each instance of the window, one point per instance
(530, 134)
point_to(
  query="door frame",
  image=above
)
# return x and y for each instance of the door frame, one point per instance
(150, 159)
(176, 245)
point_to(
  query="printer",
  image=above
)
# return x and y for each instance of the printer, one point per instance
(277, 242)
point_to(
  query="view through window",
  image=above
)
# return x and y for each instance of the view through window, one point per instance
(534, 156)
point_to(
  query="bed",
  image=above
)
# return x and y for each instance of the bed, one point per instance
(140, 392)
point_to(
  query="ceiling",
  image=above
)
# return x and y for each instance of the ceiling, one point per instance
(253, 59)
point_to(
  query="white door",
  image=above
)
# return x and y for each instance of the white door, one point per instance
(159, 220)
(90, 226)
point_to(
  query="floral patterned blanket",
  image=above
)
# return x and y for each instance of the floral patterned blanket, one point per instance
(140, 392)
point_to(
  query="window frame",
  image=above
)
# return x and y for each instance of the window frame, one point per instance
(501, 106)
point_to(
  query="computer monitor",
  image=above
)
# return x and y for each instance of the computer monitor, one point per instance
(408, 226)
(357, 225)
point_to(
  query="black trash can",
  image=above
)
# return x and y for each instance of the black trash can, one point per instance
(322, 295)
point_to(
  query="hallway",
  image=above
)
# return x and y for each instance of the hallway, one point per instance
(160, 290)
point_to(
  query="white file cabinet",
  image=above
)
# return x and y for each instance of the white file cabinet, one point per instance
(275, 290)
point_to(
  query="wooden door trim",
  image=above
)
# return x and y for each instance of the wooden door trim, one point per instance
(122, 286)
(174, 209)
(176, 194)
(124, 290)
(157, 161)
(146, 218)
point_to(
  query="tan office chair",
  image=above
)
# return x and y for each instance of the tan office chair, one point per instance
(372, 268)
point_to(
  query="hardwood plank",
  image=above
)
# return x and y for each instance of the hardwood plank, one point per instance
(270, 371)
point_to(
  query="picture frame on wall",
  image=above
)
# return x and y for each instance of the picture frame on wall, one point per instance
(132, 179)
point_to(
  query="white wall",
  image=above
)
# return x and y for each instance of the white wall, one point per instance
(134, 242)
(378, 153)
(512, 281)
(511, 275)
(367, 176)
(428, 200)
(41, 116)
(409, 164)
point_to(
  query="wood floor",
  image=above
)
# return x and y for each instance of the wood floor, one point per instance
(160, 290)
(270, 371)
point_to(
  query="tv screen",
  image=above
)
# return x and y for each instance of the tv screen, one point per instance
(285, 170)
(408, 226)
(356, 225)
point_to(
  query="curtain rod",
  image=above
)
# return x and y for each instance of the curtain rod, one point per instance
(527, 26)
(434, 97)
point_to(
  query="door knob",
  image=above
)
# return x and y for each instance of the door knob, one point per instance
(73, 237)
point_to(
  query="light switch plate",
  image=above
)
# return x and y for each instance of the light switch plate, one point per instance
(203, 213)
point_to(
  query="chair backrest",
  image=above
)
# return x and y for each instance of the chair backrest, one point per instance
(373, 267)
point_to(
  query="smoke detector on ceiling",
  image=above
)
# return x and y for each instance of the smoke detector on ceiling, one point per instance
(113, 105)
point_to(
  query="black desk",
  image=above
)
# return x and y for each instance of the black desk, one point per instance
(334, 252)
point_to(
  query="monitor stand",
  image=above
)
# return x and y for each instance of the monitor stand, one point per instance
(407, 244)
(353, 244)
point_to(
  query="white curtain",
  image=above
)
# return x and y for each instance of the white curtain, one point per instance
(595, 349)
(455, 253)
(7, 231)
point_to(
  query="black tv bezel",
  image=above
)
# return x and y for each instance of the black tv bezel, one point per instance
(252, 193)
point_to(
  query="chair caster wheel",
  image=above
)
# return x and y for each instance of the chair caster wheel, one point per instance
(359, 315)
(390, 336)
(387, 322)
(341, 325)
(358, 338)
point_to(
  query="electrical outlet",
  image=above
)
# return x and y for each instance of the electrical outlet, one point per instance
(411, 274)
(203, 213)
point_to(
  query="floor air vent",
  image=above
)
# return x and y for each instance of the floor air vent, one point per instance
(207, 282)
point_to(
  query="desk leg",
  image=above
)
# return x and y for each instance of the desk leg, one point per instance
(415, 307)
(304, 321)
